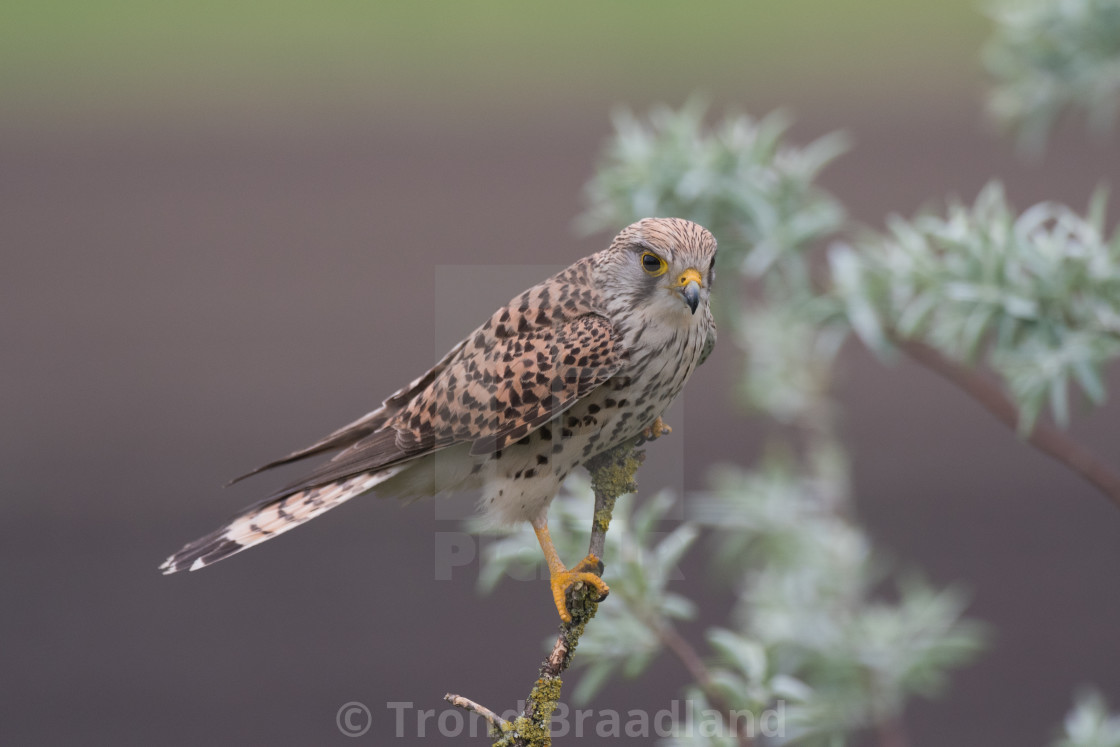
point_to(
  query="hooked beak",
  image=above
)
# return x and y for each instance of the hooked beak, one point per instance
(689, 284)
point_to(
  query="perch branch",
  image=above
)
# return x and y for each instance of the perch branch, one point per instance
(1047, 439)
(612, 475)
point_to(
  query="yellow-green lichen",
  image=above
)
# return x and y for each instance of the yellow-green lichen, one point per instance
(615, 477)
(603, 515)
(534, 730)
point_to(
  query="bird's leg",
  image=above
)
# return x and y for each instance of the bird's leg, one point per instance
(656, 430)
(585, 571)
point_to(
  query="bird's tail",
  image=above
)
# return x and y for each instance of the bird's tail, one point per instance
(270, 518)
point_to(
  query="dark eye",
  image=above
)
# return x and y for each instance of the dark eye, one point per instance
(653, 264)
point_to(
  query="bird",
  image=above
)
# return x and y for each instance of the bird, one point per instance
(575, 365)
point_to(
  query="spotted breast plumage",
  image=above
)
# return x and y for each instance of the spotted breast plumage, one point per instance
(573, 366)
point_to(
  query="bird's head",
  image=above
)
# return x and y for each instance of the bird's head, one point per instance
(664, 266)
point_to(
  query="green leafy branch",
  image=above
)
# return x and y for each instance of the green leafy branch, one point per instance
(1048, 57)
(1016, 309)
(1034, 297)
(979, 288)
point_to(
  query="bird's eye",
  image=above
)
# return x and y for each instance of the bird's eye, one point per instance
(653, 264)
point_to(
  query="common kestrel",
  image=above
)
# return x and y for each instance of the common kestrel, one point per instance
(569, 368)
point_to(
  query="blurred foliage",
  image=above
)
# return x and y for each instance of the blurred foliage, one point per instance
(808, 578)
(758, 196)
(1049, 56)
(1035, 296)
(1090, 724)
(821, 623)
(739, 180)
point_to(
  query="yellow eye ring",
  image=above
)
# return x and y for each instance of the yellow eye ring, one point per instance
(653, 265)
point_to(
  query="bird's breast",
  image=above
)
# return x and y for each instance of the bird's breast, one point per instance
(520, 481)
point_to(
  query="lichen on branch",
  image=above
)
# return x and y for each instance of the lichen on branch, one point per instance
(612, 475)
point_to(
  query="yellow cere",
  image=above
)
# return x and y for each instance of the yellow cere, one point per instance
(688, 276)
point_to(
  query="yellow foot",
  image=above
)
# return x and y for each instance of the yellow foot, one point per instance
(656, 430)
(585, 572)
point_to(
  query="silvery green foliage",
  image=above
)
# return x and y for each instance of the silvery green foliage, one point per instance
(788, 350)
(1089, 724)
(1035, 296)
(756, 193)
(806, 628)
(1049, 56)
(805, 606)
(807, 632)
(737, 179)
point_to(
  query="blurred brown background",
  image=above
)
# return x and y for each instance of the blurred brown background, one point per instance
(222, 230)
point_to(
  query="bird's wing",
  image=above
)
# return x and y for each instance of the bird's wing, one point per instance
(497, 391)
(709, 340)
(365, 425)
(492, 391)
(549, 372)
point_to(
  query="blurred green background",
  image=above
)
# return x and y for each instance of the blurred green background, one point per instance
(399, 60)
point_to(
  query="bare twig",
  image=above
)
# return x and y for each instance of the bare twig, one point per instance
(892, 732)
(684, 651)
(494, 719)
(1043, 437)
(688, 656)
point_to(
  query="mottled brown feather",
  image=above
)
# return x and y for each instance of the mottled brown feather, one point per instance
(496, 389)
